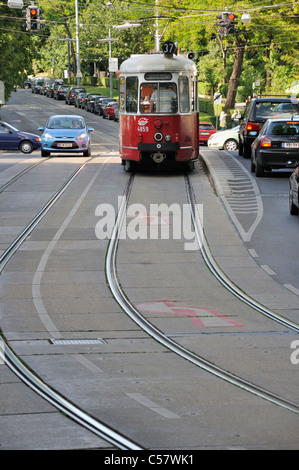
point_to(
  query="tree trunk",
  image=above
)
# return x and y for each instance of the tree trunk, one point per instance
(235, 76)
(73, 55)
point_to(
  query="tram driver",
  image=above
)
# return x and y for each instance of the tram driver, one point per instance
(166, 98)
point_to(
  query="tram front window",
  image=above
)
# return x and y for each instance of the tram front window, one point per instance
(158, 98)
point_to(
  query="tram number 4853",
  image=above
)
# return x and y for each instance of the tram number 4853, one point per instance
(169, 47)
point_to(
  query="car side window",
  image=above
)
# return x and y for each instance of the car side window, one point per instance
(3, 130)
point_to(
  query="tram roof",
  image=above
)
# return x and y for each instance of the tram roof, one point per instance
(157, 63)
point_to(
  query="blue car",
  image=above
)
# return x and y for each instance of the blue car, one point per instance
(67, 134)
(13, 139)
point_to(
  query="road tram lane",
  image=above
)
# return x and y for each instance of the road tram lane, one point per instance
(129, 380)
(175, 291)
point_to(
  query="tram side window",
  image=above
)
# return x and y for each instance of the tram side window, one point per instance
(158, 98)
(122, 96)
(184, 94)
(131, 94)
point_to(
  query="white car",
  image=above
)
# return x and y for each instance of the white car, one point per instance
(227, 140)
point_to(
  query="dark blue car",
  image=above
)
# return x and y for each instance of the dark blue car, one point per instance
(13, 139)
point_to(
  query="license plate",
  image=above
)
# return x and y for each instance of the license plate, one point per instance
(64, 144)
(290, 145)
(204, 133)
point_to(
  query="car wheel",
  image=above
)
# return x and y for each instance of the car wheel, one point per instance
(240, 149)
(252, 166)
(246, 151)
(259, 170)
(26, 146)
(231, 144)
(45, 153)
(293, 208)
(87, 152)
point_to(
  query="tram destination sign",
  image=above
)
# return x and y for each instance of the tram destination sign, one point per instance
(158, 76)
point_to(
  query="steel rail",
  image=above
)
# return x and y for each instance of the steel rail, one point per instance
(9, 252)
(16, 177)
(220, 275)
(66, 406)
(33, 381)
(158, 335)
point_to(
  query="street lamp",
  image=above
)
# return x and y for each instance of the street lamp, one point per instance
(110, 40)
(245, 18)
(79, 74)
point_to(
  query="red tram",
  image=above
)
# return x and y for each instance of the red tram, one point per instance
(158, 112)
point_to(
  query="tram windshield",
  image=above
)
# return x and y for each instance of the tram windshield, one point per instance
(158, 98)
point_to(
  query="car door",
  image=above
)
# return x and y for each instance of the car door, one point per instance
(8, 138)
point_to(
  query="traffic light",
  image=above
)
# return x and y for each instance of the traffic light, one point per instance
(226, 23)
(33, 18)
(231, 29)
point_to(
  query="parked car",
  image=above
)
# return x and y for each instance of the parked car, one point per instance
(45, 86)
(116, 113)
(60, 92)
(227, 140)
(91, 102)
(206, 129)
(78, 99)
(28, 84)
(98, 108)
(277, 146)
(13, 139)
(53, 87)
(294, 192)
(71, 93)
(85, 100)
(36, 86)
(108, 110)
(257, 111)
(64, 133)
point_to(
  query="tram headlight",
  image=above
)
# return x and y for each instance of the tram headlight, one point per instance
(168, 138)
(158, 136)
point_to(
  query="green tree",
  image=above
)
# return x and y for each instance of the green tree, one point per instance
(16, 49)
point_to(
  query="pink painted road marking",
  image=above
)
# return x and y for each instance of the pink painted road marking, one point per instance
(200, 316)
(146, 218)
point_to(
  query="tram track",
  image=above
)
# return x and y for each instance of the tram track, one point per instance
(131, 310)
(78, 414)
(9, 252)
(21, 173)
(68, 407)
(8, 356)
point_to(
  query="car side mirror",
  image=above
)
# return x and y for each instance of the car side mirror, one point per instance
(41, 128)
(90, 129)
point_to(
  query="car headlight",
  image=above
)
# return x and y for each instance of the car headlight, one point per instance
(81, 136)
(48, 136)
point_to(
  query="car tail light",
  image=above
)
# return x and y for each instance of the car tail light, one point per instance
(266, 142)
(177, 137)
(140, 138)
(253, 126)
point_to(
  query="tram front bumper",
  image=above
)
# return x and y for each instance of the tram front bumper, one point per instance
(159, 147)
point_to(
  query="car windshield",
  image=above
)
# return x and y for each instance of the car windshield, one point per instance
(206, 126)
(65, 123)
(270, 109)
(284, 128)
